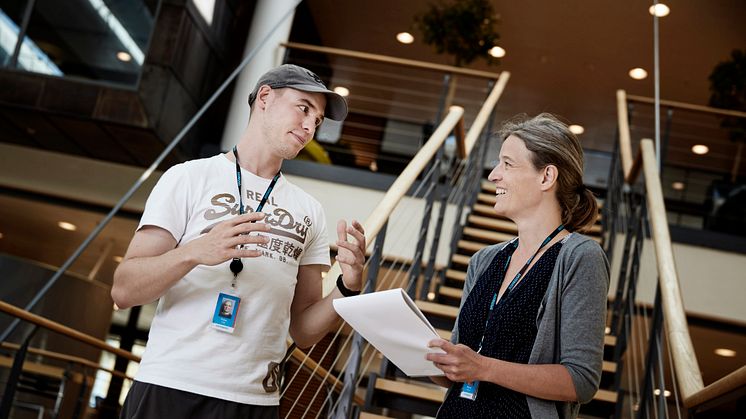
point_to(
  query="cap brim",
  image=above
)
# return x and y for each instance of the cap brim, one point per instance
(336, 105)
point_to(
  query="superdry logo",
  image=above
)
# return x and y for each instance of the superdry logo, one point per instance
(314, 77)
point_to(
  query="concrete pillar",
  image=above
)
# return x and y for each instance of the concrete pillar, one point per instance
(267, 15)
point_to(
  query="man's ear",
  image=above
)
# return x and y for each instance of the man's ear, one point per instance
(549, 177)
(262, 96)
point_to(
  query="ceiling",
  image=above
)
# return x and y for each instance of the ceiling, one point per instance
(566, 57)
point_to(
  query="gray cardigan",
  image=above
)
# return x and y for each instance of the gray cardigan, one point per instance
(582, 273)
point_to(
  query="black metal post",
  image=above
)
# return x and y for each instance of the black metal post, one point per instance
(344, 407)
(21, 33)
(652, 350)
(432, 187)
(430, 269)
(15, 373)
(110, 406)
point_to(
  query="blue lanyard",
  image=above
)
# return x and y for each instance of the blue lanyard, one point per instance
(515, 280)
(238, 182)
(236, 265)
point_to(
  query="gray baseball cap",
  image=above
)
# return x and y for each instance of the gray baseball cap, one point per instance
(299, 78)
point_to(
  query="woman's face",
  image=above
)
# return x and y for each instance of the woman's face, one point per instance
(518, 183)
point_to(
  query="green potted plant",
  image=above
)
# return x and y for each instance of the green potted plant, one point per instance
(728, 91)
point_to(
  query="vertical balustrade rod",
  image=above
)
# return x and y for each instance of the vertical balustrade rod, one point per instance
(13, 377)
(653, 342)
(344, 407)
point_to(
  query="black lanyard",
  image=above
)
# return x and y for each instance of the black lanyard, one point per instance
(236, 264)
(515, 280)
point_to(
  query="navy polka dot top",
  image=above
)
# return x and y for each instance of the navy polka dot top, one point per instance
(511, 334)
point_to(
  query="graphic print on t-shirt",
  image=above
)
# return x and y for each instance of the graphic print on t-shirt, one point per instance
(287, 235)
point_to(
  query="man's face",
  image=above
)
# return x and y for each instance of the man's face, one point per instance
(290, 120)
(227, 307)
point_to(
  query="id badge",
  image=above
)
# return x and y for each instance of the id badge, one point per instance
(225, 315)
(469, 390)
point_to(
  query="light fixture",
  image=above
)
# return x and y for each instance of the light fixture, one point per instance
(405, 37)
(638, 73)
(118, 259)
(724, 352)
(373, 166)
(607, 330)
(431, 296)
(497, 52)
(342, 91)
(659, 10)
(576, 129)
(67, 226)
(678, 186)
(700, 149)
(124, 56)
(666, 393)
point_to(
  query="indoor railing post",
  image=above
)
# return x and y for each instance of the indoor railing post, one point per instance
(618, 306)
(431, 189)
(344, 407)
(443, 98)
(13, 377)
(653, 345)
(664, 140)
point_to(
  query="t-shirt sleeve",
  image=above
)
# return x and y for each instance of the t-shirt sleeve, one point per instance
(316, 251)
(167, 206)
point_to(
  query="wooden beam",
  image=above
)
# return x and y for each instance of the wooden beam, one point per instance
(687, 106)
(485, 112)
(625, 140)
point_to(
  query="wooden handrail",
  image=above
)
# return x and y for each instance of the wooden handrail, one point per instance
(677, 329)
(625, 140)
(68, 358)
(64, 330)
(687, 106)
(728, 384)
(422, 65)
(484, 113)
(396, 192)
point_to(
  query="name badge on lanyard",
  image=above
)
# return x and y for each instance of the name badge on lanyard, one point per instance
(226, 312)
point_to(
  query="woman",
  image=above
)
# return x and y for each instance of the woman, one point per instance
(528, 341)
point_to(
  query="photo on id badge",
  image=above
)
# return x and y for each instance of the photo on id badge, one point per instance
(226, 310)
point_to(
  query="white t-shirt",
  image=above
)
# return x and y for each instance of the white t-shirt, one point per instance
(184, 352)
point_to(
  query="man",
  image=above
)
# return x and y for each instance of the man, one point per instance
(195, 247)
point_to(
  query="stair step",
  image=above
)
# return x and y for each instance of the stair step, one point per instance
(605, 396)
(451, 292)
(456, 275)
(420, 391)
(440, 310)
(445, 334)
(503, 226)
(487, 235)
(366, 415)
(610, 340)
(460, 259)
(488, 187)
(609, 366)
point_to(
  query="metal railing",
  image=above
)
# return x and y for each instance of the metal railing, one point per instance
(657, 370)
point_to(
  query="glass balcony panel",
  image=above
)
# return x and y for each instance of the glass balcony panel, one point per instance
(11, 17)
(104, 40)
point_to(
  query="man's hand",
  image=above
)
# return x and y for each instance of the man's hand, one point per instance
(351, 255)
(459, 362)
(222, 242)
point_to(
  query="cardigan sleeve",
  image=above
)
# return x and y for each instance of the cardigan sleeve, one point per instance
(583, 318)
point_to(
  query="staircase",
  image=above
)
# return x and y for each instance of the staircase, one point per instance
(390, 392)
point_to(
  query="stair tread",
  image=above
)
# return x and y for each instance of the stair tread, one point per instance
(503, 226)
(462, 259)
(451, 292)
(445, 334)
(455, 274)
(420, 391)
(605, 396)
(437, 309)
(489, 235)
(368, 415)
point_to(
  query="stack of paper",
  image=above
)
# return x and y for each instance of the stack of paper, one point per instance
(391, 322)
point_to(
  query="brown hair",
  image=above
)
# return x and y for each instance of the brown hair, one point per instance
(550, 142)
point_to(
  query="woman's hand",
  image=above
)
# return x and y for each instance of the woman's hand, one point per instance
(459, 362)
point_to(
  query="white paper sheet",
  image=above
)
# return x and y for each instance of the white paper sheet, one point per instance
(391, 322)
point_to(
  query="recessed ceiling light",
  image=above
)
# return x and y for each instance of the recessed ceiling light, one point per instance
(666, 393)
(728, 353)
(679, 186)
(124, 56)
(405, 37)
(659, 10)
(607, 330)
(576, 129)
(700, 149)
(497, 52)
(431, 296)
(67, 226)
(638, 73)
(118, 259)
(342, 91)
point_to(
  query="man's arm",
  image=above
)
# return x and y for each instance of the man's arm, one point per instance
(153, 263)
(312, 316)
